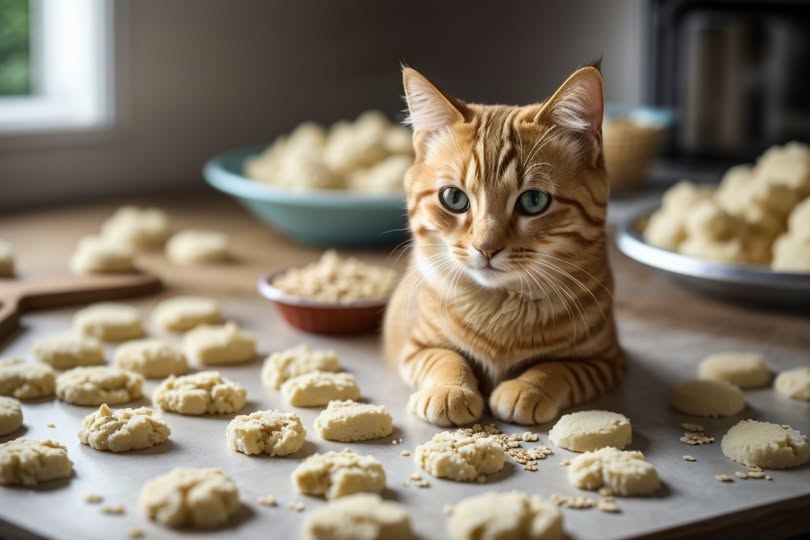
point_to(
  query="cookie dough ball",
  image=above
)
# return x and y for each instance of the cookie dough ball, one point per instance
(152, 358)
(358, 145)
(109, 322)
(349, 421)
(122, 430)
(794, 383)
(399, 140)
(97, 255)
(318, 388)
(337, 474)
(11, 417)
(724, 251)
(386, 176)
(6, 259)
(266, 432)
(137, 228)
(624, 472)
(665, 230)
(458, 456)
(766, 445)
(306, 170)
(709, 221)
(194, 246)
(362, 516)
(591, 430)
(732, 194)
(183, 313)
(799, 221)
(205, 392)
(680, 198)
(26, 380)
(284, 365)
(788, 165)
(190, 498)
(67, 350)
(216, 345)
(513, 515)
(28, 463)
(791, 254)
(97, 385)
(746, 370)
(708, 398)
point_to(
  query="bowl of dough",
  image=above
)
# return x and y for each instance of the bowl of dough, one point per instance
(340, 185)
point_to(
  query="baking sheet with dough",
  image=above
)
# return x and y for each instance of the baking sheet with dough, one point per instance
(658, 359)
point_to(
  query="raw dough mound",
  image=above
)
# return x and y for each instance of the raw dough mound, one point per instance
(109, 322)
(6, 259)
(216, 345)
(137, 228)
(11, 417)
(97, 255)
(362, 516)
(26, 380)
(68, 350)
(514, 515)
(765, 445)
(590, 430)
(318, 388)
(183, 313)
(123, 429)
(282, 366)
(708, 398)
(624, 472)
(97, 385)
(29, 462)
(336, 474)
(152, 358)
(746, 370)
(269, 432)
(794, 383)
(348, 421)
(200, 393)
(458, 456)
(198, 247)
(185, 497)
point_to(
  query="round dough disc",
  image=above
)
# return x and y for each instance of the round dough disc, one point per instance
(766, 445)
(746, 370)
(591, 430)
(708, 398)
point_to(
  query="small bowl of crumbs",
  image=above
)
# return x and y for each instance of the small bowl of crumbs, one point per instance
(334, 295)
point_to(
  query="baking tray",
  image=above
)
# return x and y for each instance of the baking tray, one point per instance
(749, 284)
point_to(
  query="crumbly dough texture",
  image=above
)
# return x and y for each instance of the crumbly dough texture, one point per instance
(362, 516)
(513, 515)
(137, 228)
(194, 246)
(459, 456)
(348, 421)
(205, 392)
(183, 313)
(26, 380)
(218, 345)
(336, 474)
(623, 472)
(337, 279)
(109, 322)
(190, 498)
(794, 383)
(590, 430)
(67, 350)
(98, 255)
(701, 397)
(6, 259)
(746, 370)
(122, 430)
(266, 432)
(27, 462)
(11, 417)
(766, 445)
(284, 365)
(152, 358)
(97, 385)
(318, 388)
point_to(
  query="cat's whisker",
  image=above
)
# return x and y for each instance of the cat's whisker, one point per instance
(582, 312)
(594, 278)
(549, 280)
(578, 283)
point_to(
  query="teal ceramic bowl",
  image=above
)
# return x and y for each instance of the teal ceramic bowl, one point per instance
(323, 218)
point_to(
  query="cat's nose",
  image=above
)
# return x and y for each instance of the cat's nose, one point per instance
(488, 252)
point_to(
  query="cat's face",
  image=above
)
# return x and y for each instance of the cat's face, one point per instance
(506, 197)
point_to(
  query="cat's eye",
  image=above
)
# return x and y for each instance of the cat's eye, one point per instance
(454, 199)
(533, 202)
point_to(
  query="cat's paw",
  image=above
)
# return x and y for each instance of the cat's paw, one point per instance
(519, 402)
(447, 405)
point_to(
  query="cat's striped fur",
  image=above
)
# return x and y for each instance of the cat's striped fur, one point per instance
(535, 330)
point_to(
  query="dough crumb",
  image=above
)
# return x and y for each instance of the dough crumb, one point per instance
(135, 532)
(689, 458)
(405, 453)
(696, 438)
(575, 502)
(608, 506)
(267, 500)
(114, 509)
(723, 478)
(297, 506)
(93, 498)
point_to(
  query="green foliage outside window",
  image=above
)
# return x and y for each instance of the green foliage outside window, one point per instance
(15, 47)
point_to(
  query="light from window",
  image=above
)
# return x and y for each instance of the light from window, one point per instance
(15, 48)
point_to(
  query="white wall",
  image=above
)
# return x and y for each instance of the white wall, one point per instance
(206, 75)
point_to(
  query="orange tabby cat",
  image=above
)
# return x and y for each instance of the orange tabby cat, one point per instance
(509, 288)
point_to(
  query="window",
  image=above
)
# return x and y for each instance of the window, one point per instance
(55, 65)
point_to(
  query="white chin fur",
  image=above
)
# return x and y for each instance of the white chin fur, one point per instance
(491, 279)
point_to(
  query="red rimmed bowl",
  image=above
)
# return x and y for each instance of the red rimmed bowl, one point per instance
(320, 317)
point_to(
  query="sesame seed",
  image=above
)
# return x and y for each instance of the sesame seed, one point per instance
(723, 478)
(93, 498)
(689, 458)
(608, 506)
(405, 453)
(741, 475)
(267, 500)
(116, 509)
(135, 532)
(688, 426)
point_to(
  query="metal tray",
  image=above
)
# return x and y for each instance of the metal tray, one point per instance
(748, 284)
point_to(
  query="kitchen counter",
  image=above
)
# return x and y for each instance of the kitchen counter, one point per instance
(666, 331)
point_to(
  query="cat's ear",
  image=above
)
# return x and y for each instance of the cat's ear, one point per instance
(429, 108)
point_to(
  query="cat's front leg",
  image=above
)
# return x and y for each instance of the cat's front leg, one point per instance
(447, 391)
